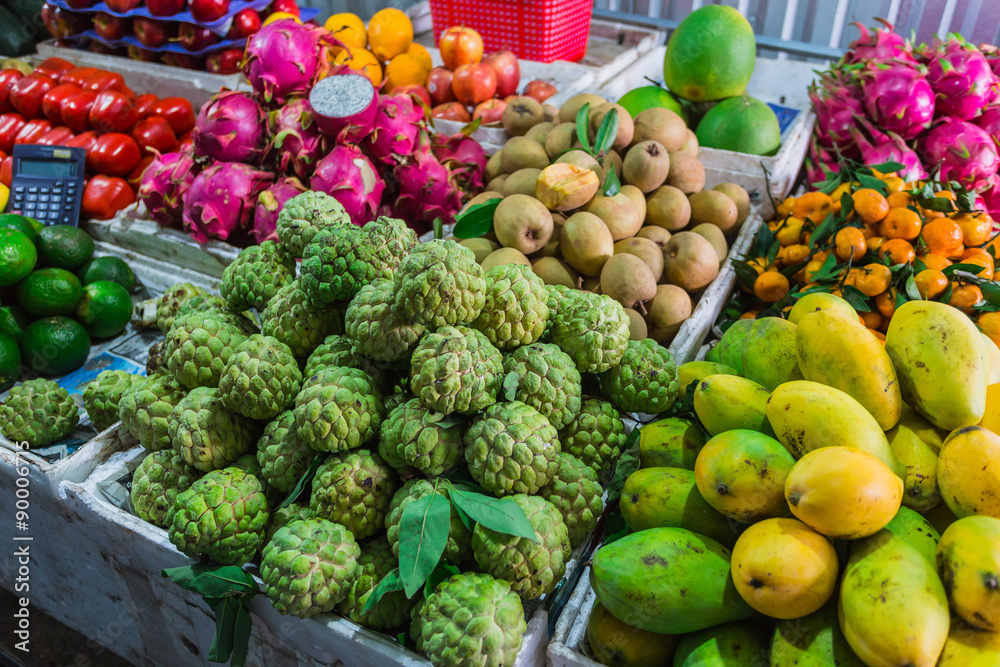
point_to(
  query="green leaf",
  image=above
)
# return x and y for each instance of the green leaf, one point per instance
(974, 269)
(390, 584)
(583, 127)
(900, 299)
(423, 534)
(946, 294)
(212, 581)
(304, 481)
(792, 269)
(772, 252)
(764, 238)
(501, 515)
(477, 220)
(438, 225)
(241, 637)
(856, 298)
(888, 167)
(966, 201)
(991, 292)
(911, 290)
(918, 265)
(226, 610)
(744, 273)
(469, 128)
(828, 270)
(511, 382)
(612, 185)
(846, 205)
(822, 231)
(607, 132)
(874, 183)
(443, 571)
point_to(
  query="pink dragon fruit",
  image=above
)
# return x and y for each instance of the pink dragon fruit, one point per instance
(269, 205)
(397, 127)
(960, 77)
(883, 45)
(221, 200)
(898, 97)
(836, 101)
(992, 55)
(464, 158)
(283, 59)
(965, 153)
(296, 142)
(347, 175)
(231, 127)
(345, 105)
(991, 197)
(164, 184)
(426, 189)
(819, 163)
(990, 121)
(887, 147)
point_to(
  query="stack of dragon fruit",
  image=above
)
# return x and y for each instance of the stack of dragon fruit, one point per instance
(308, 126)
(932, 108)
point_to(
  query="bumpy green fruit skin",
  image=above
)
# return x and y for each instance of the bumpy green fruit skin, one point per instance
(261, 378)
(338, 409)
(516, 309)
(410, 437)
(38, 412)
(338, 263)
(456, 369)
(197, 347)
(511, 448)
(282, 456)
(337, 350)
(544, 377)
(576, 493)
(440, 284)
(295, 321)
(727, 644)
(283, 516)
(155, 485)
(171, 301)
(309, 566)
(596, 436)
(256, 275)
(592, 329)
(221, 516)
(375, 327)
(199, 303)
(354, 489)
(145, 410)
(102, 395)
(645, 380)
(305, 215)
(391, 240)
(458, 549)
(206, 434)
(393, 609)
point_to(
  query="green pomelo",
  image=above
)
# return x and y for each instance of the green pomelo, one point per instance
(711, 55)
(638, 100)
(742, 124)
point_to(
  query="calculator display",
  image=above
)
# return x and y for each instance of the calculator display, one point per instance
(47, 168)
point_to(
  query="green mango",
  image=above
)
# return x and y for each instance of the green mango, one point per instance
(673, 442)
(916, 531)
(916, 443)
(667, 580)
(812, 641)
(727, 402)
(769, 356)
(730, 346)
(713, 355)
(693, 371)
(729, 645)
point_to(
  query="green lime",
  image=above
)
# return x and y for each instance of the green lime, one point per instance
(19, 223)
(13, 321)
(638, 100)
(49, 292)
(10, 362)
(55, 345)
(105, 309)
(742, 124)
(64, 247)
(17, 256)
(108, 268)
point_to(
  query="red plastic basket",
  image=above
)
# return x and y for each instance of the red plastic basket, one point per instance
(540, 30)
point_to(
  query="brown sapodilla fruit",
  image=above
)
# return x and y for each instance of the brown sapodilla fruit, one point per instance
(564, 187)
(560, 139)
(691, 145)
(494, 167)
(554, 271)
(581, 159)
(686, 173)
(523, 223)
(662, 125)
(627, 280)
(646, 250)
(522, 153)
(540, 132)
(626, 127)
(713, 207)
(480, 247)
(482, 198)
(521, 114)
(551, 249)
(657, 235)
(569, 109)
(637, 329)
(690, 261)
(637, 197)
(714, 236)
(619, 213)
(740, 197)
(666, 312)
(586, 243)
(504, 256)
(646, 165)
(521, 182)
(669, 208)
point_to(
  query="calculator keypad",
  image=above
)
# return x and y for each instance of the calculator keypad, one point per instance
(52, 204)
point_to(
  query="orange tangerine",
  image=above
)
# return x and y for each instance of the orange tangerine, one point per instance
(348, 28)
(813, 206)
(770, 286)
(990, 324)
(899, 251)
(894, 183)
(899, 200)
(790, 232)
(870, 205)
(981, 259)
(964, 297)
(900, 223)
(793, 254)
(933, 261)
(421, 52)
(930, 283)
(403, 70)
(976, 227)
(943, 237)
(361, 60)
(812, 268)
(280, 16)
(786, 206)
(874, 279)
(750, 315)
(886, 303)
(390, 33)
(879, 336)
(872, 319)
(850, 244)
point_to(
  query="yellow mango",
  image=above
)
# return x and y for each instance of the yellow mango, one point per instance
(615, 642)
(941, 362)
(991, 418)
(842, 353)
(727, 402)
(915, 443)
(993, 352)
(968, 560)
(821, 301)
(915, 530)
(812, 641)
(843, 492)
(809, 415)
(783, 568)
(969, 472)
(769, 353)
(673, 442)
(742, 473)
(694, 371)
(730, 347)
(893, 609)
(970, 647)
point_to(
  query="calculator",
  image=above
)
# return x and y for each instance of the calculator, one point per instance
(47, 183)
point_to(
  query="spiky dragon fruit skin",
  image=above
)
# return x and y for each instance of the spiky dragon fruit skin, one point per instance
(898, 97)
(965, 152)
(164, 184)
(819, 163)
(882, 45)
(960, 76)
(992, 55)
(282, 59)
(426, 187)
(269, 205)
(231, 127)
(989, 121)
(398, 123)
(221, 200)
(296, 142)
(347, 175)
(464, 157)
(888, 147)
(836, 101)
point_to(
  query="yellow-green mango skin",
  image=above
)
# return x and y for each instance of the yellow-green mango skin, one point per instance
(673, 443)
(968, 561)
(812, 641)
(941, 362)
(843, 354)
(892, 608)
(916, 531)
(669, 497)
(969, 472)
(970, 647)
(727, 402)
(729, 645)
(769, 357)
(618, 644)
(915, 443)
(730, 346)
(809, 415)
(667, 580)
(693, 371)
(817, 301)
(993, 354)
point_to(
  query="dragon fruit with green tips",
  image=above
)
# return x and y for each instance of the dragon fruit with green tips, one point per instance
(221, 200)
(231, 127)
(398, 123)
(347, 175)
(898, 97)
(819, 163)
(464, 157)
(836, 100)
(887, 147)
(269, 205)
(960, 76)
(283, 59)
(164, 184)
(296, 142)
(882, 44)
(427, 189)
(965, 153)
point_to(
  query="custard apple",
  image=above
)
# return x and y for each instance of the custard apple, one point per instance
(596, 437)
(338, 263)
(458, 549)
(354, 489)
(374, 326)
(391, 239)
(645, 380)
(554, 297)
(411, 437)
(456, 369)
(198, 347)
(222, 516)
(544, 377)
(38, 412)
(291, 318)
(397, 395)
(592, 329)
(170, 303)
(336, 351)
(393, 609)
(145, 410)
(284, 516)
(338, 409)
(511, 448)
(532, 568)
(256, 275)
(438, 284)
(471, 620)
(282, 456)
(516, 310)
(102, 395)
(260, 379)
(576, 493)
(305, 215)
(155, 362)
(207, 434)
(199, 303)
(156, 482)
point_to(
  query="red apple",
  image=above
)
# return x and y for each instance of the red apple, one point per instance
(451, 111)
(110, 27)
(288, 6)
(105, 50)
(153, 33)
(62, 23)
(508, 70)
(226, 61)
(439, 86)
(245, 23)
(122, 6)
(473, 84)
(145, 55)
(491, 111)
(185, 60)
(206, 11)
(460, 46)
(165, 7)
(540, 90)
(195, 38)
(415, 90)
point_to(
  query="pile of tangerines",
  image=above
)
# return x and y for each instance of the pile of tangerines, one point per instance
(384, 50)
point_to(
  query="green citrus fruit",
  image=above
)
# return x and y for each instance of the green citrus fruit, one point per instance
(108, 268)
(49, 292)
(742, 124)
(55, 345)
(64, 247)
(710, 55)
(13, 321)
(19, 223)
(638, 100)
(105, 309)
(17, 256)
(10, 362)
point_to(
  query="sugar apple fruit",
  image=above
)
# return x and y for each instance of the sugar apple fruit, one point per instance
(207, 434)
(576, 493)
(309, 566)
(438, 284)
(337, 351)
(256, 275)
(532, 568)
(198, 347)
(458, 549)
(592, 329)
(282, 456)
(471, 620)
(393, 609)
(515, 311)
(391, 239)
(397, 395)
(284, 516)
(102, 395)
(544, 377)
(645, 380)
(412, 437)
(338, 409)
(374, 326)
(145, 410)
(156, 482)
(200, 303)
(170, 303)
(596, 437)
(295, 321)
(511, 448)
(222, 516)
(155, 363)
(456, 369)
(38, 412)
(354, 489)
(338, 263)
(260, 379)
(305, 215)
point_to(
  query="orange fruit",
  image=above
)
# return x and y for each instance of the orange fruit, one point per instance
(870, 205)
(785, 207)
(964, 297)
(280, 16)
(982, 259)
(850, 244)
(852, 277)
(872, 319)
(879, 336)
(874, 242)
(933, 261)
(390, 33)
(893, 183)
(813, 206)
(898, 251)
(812, 268)
(943, 237)
(421, 52)
(886, 303)
(899, 200)
(900, 223)
(874, 279)
(360, 60)
(403, 70)
(750, 315)
(790, 232)
(930, 283)
(770, 286)
(990, 324)
(976, 227)
(793, 254)
(348, 28)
